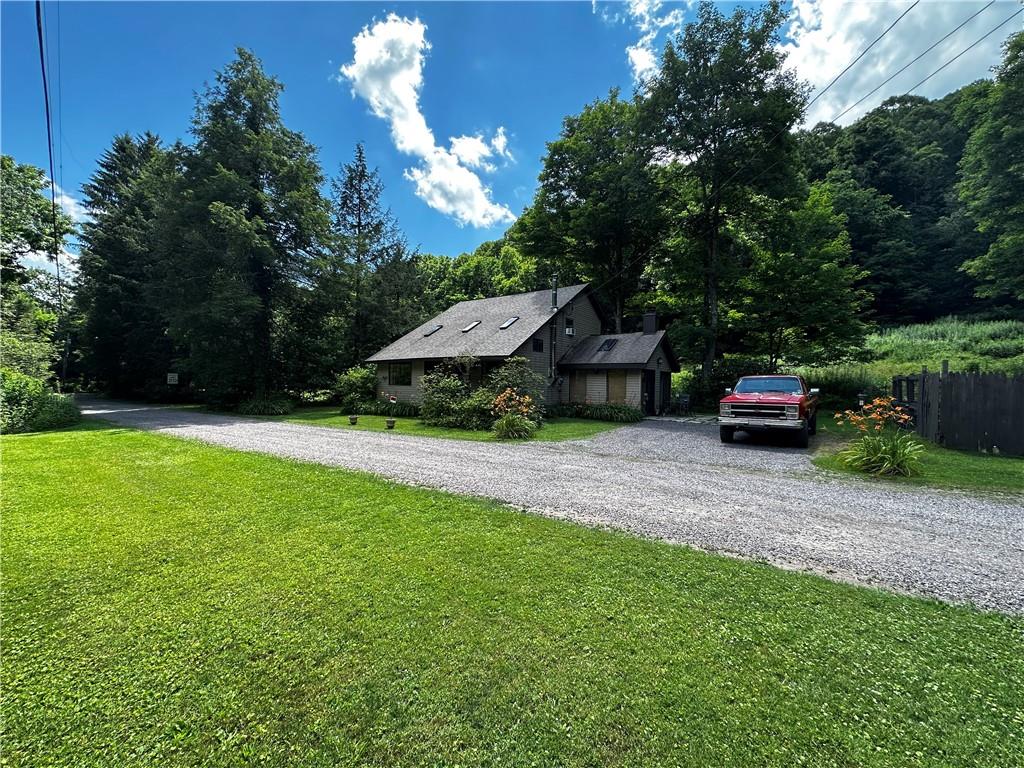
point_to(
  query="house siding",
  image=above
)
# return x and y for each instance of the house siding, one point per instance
(633, 388)
(585, 323)
(406, 394)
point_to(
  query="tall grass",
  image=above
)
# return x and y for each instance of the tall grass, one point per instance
(994, 345)
(991, 346)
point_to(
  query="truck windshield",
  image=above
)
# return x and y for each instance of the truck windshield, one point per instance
(788, 384)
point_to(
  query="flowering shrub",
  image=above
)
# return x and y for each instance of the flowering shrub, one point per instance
(883, 447)
(876, 415)
(511, 401)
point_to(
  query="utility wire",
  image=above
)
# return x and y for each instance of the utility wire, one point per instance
(922, 82)
(861, 54)
(770, 167)
(53, 189)
(965, 50)
(817, 96)
(909, 64)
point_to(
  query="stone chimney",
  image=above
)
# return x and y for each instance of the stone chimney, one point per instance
(651, 321)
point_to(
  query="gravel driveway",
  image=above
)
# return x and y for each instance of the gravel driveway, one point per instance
(676, 482)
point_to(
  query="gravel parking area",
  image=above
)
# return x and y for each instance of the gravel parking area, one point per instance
(676, 482)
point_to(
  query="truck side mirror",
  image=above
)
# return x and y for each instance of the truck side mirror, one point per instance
(728, 390)
(815, 390)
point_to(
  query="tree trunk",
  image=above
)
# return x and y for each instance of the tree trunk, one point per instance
(710, 309)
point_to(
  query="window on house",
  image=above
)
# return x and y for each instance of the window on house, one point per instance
(570, 328)
(607, 344)
(471, 326)
(432, 329)
(507, 323)
(400, 374)
(538, 345)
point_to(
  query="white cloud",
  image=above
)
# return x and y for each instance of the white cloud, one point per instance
(654, 23)
(387, 72)
(826, 35)
(42, 260)
(71, 206)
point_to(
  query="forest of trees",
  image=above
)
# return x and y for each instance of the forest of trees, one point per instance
(223, 259)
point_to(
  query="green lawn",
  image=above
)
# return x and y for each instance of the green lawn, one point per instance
(554, 430)
(167, 602)
(940, 467)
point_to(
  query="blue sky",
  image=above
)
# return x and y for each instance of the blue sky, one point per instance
(496, 77)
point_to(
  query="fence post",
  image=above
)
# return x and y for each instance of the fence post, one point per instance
(940, 435)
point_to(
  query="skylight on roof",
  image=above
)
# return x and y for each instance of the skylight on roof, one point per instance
(507, 323)
(607, 344)
(432, 329)
(471, 326)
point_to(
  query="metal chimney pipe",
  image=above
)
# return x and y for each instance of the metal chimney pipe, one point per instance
(554, 293)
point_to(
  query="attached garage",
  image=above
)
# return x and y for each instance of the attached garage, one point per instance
(629, 368)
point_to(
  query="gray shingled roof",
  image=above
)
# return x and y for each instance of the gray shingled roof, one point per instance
(631, 350)
(485, 340)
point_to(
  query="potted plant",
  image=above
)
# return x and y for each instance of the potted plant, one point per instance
(389, 422)
(353, 419)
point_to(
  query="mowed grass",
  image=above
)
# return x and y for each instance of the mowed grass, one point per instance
(553, 430)
(171, 603)
(940, 467)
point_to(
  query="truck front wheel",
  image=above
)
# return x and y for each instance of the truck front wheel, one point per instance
(727, 434)
(802, 437)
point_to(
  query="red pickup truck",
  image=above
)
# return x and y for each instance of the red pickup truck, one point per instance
(769, 403)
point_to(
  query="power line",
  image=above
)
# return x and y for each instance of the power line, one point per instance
(53, 189)
(774, 164)
(909, 64)
(909, 91)
(861, 54)
(820, 93)
(965, 50)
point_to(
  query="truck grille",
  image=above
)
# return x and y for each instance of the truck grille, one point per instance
(757, 410)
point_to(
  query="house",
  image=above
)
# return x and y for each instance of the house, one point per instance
(558, 331)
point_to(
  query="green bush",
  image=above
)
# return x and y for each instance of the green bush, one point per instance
(514, 426)
(355, 386)
(886, 453)
(441, 394)
(517, 375)
(27, 405)
(56, 411)
(266, 405)
(616, 412)
(315, 397)
(387, 408)
(448, 398)
(475, 410)
(841, 384)
(725, 373)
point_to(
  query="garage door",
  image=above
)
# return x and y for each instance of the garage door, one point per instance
(616, 386)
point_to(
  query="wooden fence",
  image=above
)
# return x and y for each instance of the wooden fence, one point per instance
(970, 411)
